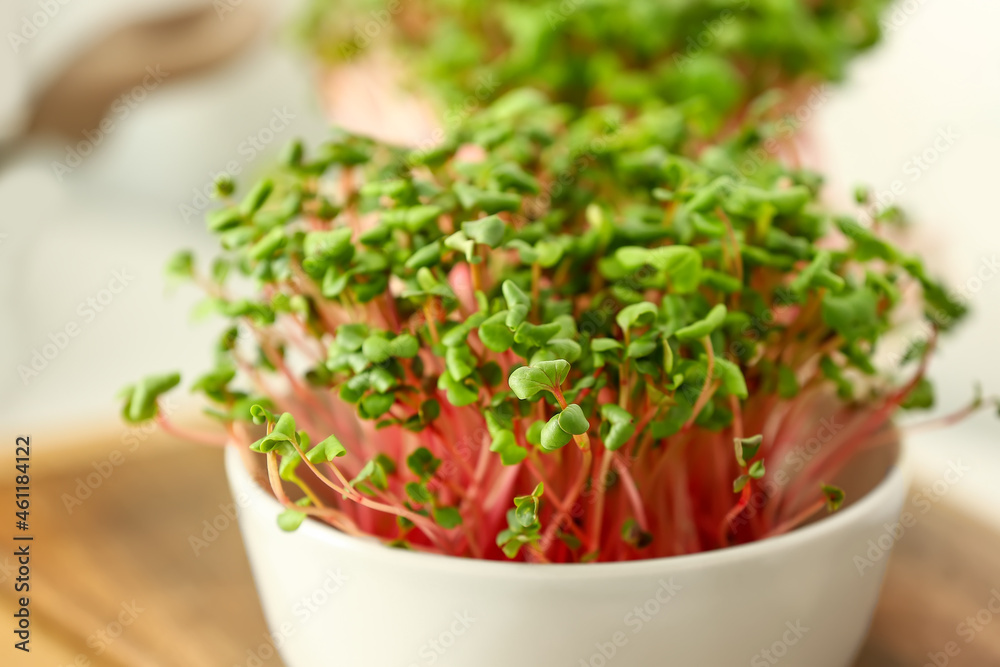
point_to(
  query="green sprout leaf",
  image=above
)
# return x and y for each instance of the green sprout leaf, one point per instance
(817, 275)
(921, 397)
(747, 448)
(703, 327)
(261, 415)
(268, 244)
(373, 472)
(732, 378)
(536, 334)
(376, 349)
(505, 444)
(489, 201)
(463, 244)
(573, 421)
(633, 535)
(534, 434)
(429, 255)
(418, 493)
(282, 434)
(488, 231)
(459, 392)
(740, 483)
(517, 536)
(638, 314)
(257, 196)
(404, 346)
(447, 517)
(222, 220)
(553, 436)
(141, 399)
(460, 361)
(329, 247)
(681, 264)
(527, 381)
(326, 450)
(526, 510)
(495, 333)
(854, 314)
(290, 519)
(617, 427)
(181, 265)
(518, 303)
(834, 497)
(423, 463)
(788, 384)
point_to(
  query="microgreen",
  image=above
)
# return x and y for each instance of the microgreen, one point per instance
(713, 56)
(457, 335)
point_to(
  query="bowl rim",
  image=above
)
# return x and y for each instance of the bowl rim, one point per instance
(889, 491)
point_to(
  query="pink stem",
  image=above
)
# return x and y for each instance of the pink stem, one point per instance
(186, 434)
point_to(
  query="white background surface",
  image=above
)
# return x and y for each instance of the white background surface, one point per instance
(60, 242)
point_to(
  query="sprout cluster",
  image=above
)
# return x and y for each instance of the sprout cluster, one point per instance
(713, 55)
(543, 338)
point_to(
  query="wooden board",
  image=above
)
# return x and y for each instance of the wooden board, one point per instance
(124, 551)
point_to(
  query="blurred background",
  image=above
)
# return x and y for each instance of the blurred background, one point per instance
(116, 116)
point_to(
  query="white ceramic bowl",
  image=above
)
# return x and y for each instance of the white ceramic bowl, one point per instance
(799, 600)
